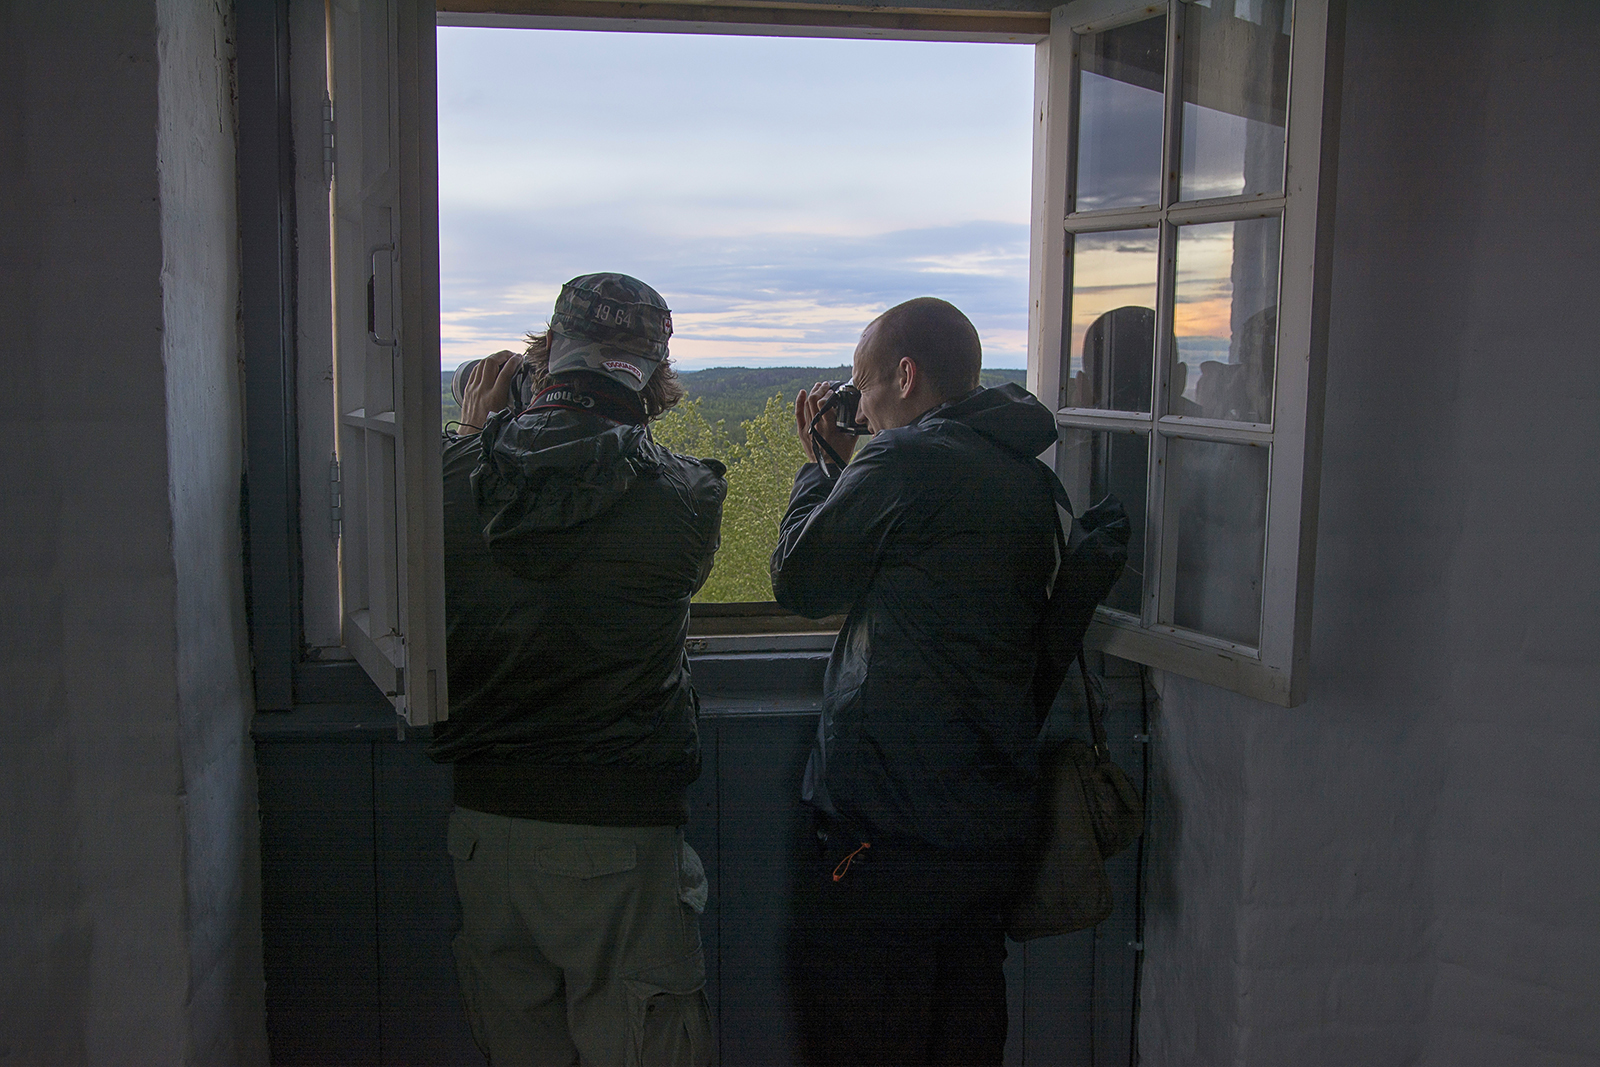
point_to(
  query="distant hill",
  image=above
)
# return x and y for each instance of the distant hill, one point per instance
(734, 395)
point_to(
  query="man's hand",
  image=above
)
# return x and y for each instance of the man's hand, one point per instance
(488, 388)
(806, 406)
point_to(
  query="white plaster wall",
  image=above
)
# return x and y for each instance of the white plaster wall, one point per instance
(1406, 868)
(199, 289)
(126, 934)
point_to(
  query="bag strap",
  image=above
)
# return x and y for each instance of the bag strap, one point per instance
(1058, 495)
(1102, 750)
(1059, 500)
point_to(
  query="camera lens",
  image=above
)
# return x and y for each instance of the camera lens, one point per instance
(458, 380)
(521, 392)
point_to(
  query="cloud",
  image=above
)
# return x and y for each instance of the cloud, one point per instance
(778, 299)
(779, 192)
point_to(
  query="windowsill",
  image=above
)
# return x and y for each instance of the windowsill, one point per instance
(758, 626)
(734, 675)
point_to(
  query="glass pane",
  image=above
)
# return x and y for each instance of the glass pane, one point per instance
(1112, 340)
(1094, 463)
(1235, 97)
(1225, 320)
(1120, 78)
(1220, 526)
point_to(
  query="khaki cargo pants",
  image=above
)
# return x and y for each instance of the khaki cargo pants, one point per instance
(580, 944)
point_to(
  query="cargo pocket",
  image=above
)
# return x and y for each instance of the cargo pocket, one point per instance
(587, 857)
(693, 889)
(669, 1019)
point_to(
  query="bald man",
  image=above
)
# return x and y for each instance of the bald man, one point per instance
(938, 540)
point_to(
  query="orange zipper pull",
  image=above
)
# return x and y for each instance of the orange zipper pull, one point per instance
(844, 864)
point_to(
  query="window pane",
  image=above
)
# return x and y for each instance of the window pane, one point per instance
(1112, 340)
(1225, 320)
(1220, 496)
(1120, 78)
(1235, 94)
(1094, 463)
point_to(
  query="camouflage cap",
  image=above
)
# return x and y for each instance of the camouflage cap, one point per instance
(612, 324)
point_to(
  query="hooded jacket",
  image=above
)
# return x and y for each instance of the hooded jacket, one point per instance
(938, 539)
(572, 547)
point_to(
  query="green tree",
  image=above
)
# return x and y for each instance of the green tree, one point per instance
(761, 472)
(685, 429)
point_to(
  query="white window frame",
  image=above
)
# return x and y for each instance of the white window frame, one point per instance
(385, 348)
(389, 501)
(1276, 670)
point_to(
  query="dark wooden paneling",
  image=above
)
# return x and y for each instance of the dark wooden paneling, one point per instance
(359, 903)
(423, 1021)
(318, 903)
(1115, 958)
(703, 834)
(762, 824)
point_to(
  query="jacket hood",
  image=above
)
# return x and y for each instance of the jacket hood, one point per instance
(550, 469)
(1008, 414)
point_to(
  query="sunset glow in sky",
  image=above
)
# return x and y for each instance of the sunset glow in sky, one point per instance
(779, 192)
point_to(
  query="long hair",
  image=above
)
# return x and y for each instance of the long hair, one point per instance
(659, 395)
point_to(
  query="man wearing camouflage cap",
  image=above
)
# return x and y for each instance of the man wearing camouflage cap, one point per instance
(573, 544)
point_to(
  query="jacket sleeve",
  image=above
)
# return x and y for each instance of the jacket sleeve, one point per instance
(831, 541)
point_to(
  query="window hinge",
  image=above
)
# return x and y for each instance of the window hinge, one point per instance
(1143, 739)
(327, 140)
(335, 498)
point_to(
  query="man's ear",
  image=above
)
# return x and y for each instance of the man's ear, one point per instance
(910, 375)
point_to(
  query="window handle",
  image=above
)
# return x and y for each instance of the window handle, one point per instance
(372, 299)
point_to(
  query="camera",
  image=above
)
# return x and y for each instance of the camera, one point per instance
(842, 402)
(521, 395)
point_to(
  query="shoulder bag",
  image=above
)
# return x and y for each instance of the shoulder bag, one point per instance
(1091, 812)
(1090, 808)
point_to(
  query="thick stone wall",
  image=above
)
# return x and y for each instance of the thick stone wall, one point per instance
(200, 350)
(126, 799)
(1404, 869)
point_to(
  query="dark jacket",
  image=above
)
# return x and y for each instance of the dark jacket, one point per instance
(572, 547)
(939, 540)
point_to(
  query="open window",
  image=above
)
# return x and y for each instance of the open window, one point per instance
(1183, 187)
(386, 349)
(1178, 292)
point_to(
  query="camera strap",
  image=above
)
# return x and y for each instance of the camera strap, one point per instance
(564, 395)
(820, 443)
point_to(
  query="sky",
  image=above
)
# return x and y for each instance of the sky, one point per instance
(778, 192)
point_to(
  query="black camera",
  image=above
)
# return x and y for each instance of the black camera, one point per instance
(521, 385)
(842, 402)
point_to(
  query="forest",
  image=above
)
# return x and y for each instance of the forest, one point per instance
(745, 418)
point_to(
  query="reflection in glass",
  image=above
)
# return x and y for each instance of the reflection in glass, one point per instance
(1235, 97)
(1094, 463)
(1120, 77)
(1225, 320)
(1220, 492)
(1111, 343)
